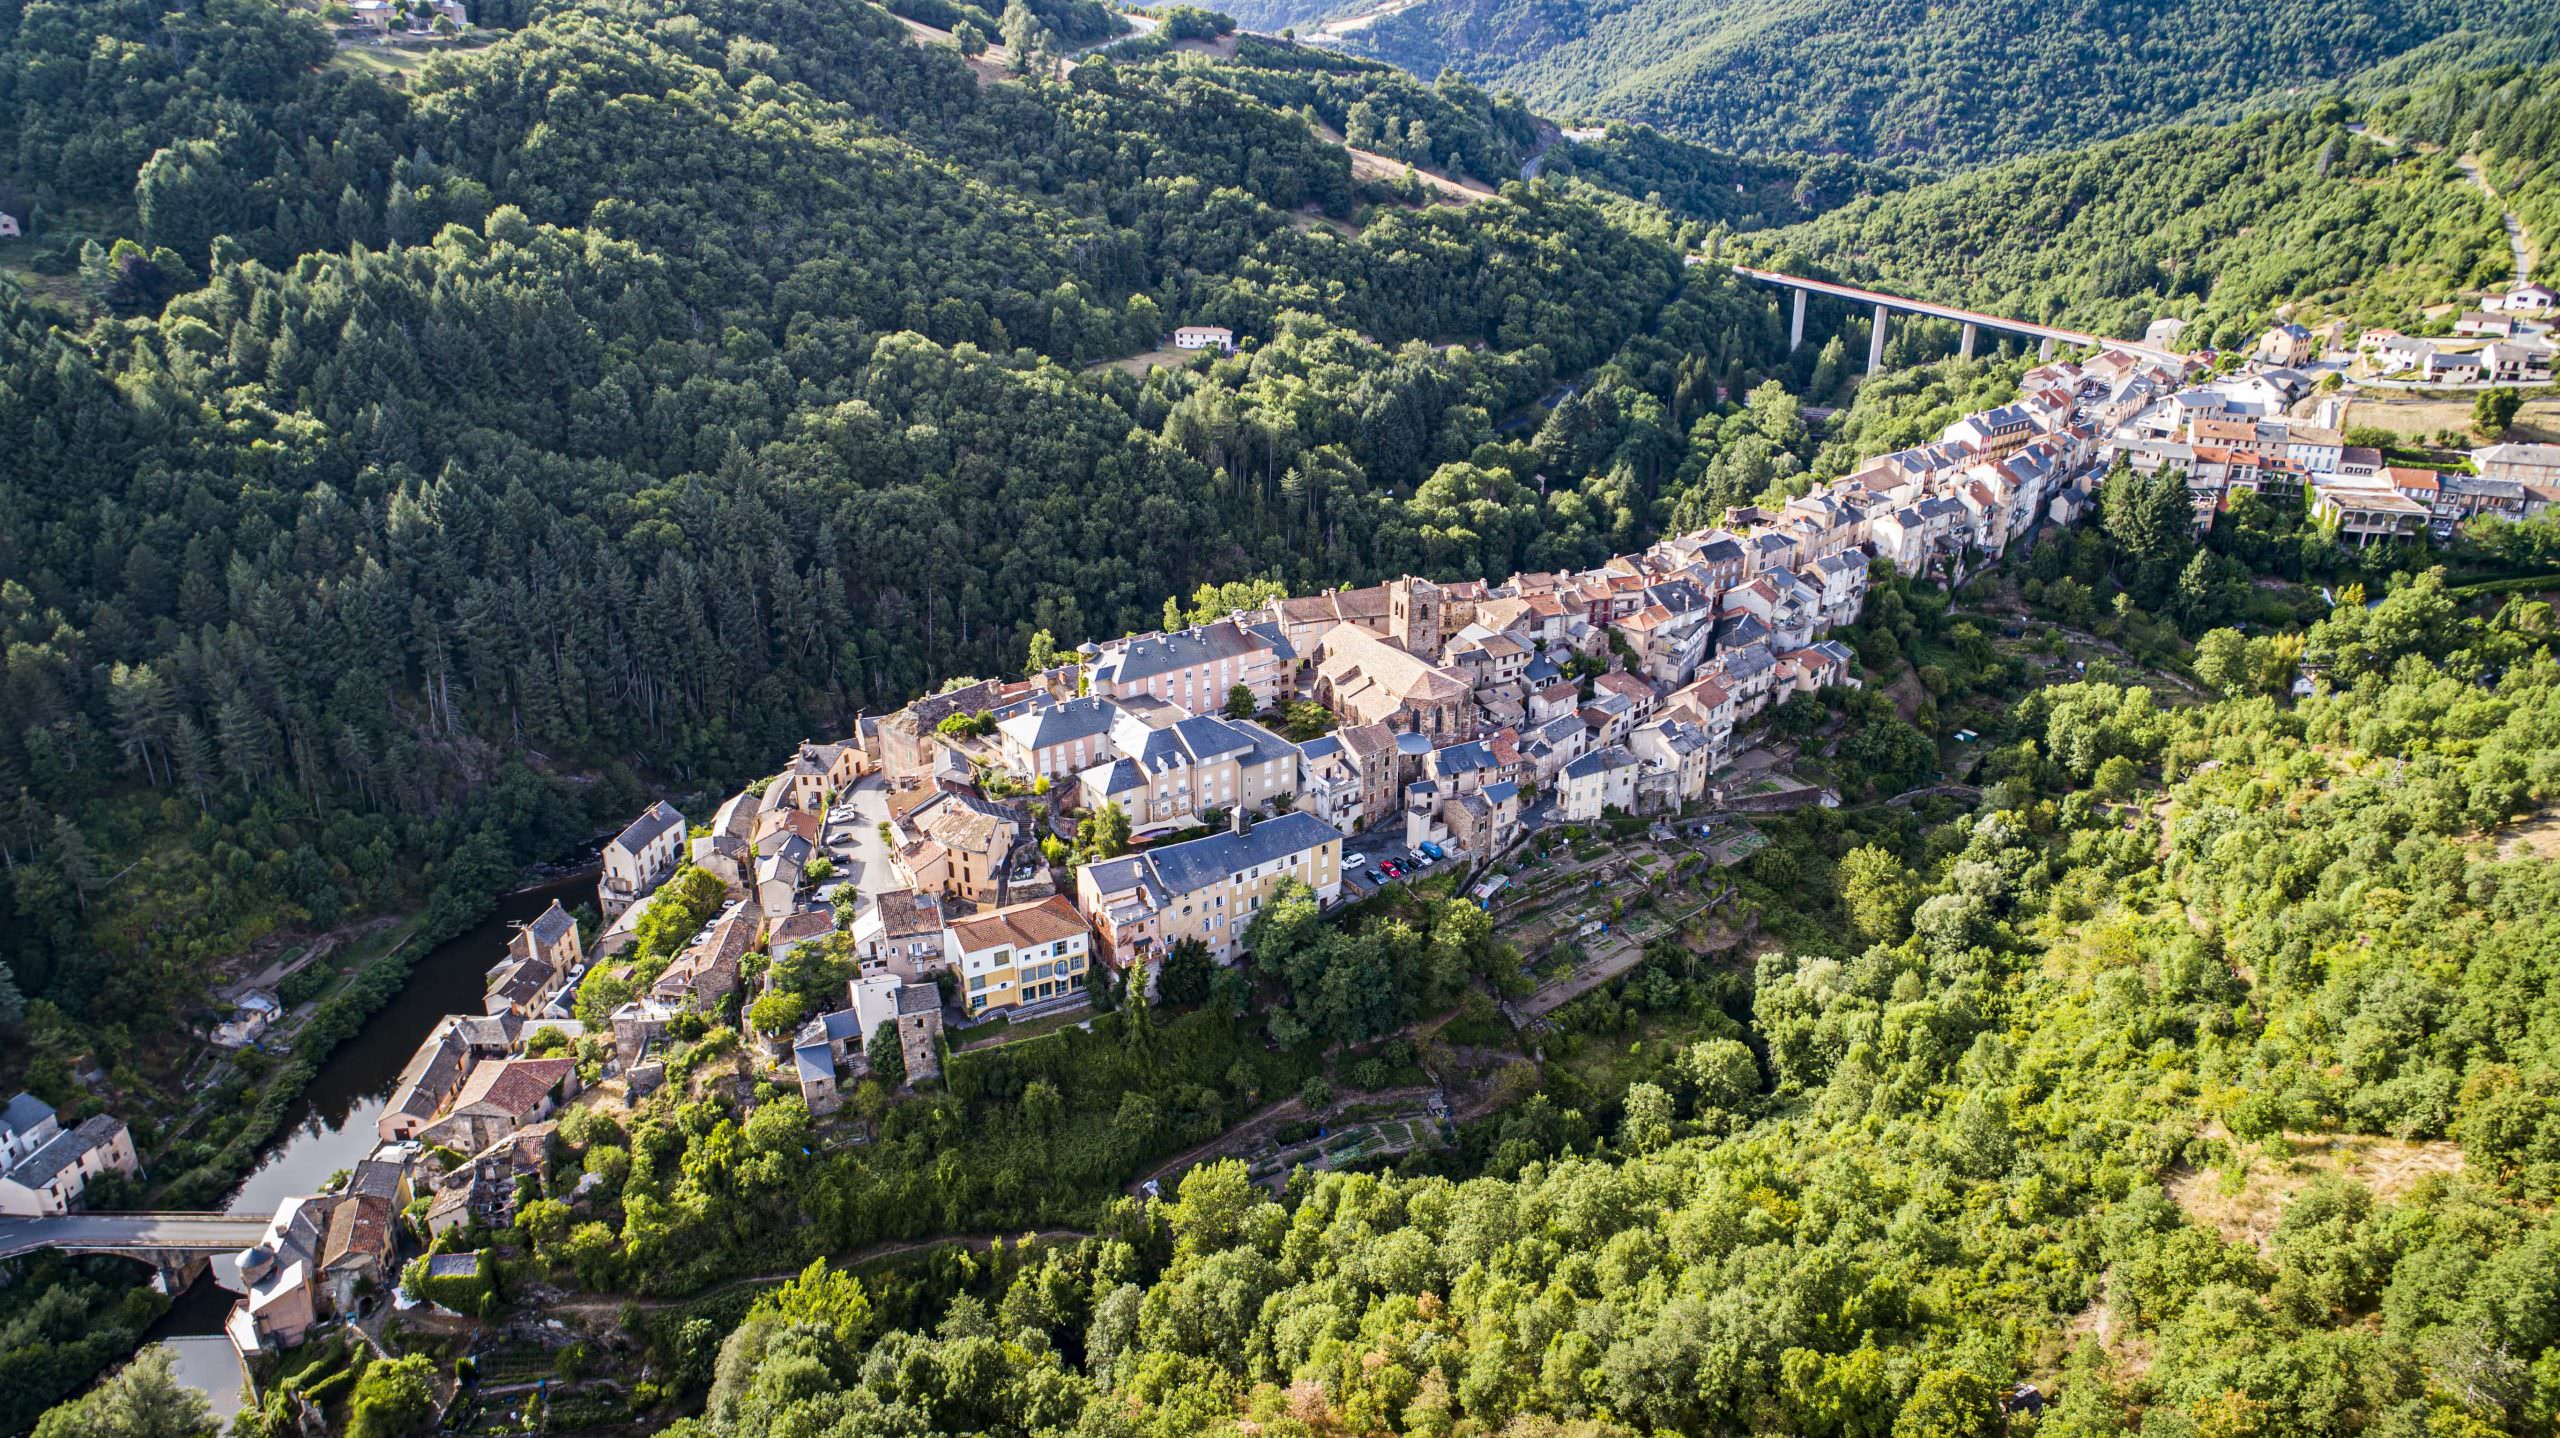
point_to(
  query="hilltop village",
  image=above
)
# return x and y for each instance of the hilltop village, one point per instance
(1004, 849)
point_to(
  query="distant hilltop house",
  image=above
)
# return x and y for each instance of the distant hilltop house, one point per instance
(9, 226)
(1205, 337)
(2523, 299)
(2165, 332)
(418, 15)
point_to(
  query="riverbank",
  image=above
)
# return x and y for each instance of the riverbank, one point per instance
(302, 1117)
(344, 1059)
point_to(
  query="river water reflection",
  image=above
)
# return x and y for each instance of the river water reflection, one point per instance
(331, 1127)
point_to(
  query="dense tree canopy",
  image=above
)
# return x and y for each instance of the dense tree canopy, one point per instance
(2217, 225)
(666, 382)
(1954, 1149)
(1953, 82)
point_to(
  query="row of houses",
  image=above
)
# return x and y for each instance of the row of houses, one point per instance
(2347, 486)
(1455, 703)
(46, 1168)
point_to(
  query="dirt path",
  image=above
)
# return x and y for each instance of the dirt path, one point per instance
(320, 947)
(995, 66)
(1262, 1121)
(1370, 165)
(611, 1305)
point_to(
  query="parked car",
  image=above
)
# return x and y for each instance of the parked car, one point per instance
(1355, 861)
(1391, 869)
(1431, 850)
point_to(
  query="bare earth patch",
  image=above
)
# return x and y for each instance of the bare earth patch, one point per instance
(2535, 838)
(1310, 220)
(992, 68)
(2248, 1213)
(1370, 165)
(2129, 1351)
(1139, 364)
(1907, 695)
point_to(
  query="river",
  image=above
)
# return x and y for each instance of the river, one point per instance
(331, 1126)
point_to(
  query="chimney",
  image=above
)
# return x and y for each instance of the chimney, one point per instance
(1235, 821)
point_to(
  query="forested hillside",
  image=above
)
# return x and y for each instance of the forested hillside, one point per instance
(670, 381)
(1952, 83)
(2207, 1077)
(2215, 224)
(2507, 116)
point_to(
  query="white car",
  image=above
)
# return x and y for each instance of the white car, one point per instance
(1355, 861)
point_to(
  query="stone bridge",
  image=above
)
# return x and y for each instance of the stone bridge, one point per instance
(177, 1245)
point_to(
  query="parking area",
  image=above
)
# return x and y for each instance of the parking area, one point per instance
(1376, 847)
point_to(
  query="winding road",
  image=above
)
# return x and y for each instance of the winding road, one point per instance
(2517, 241)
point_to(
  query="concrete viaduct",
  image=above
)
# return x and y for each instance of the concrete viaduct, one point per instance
(1972, 320)
(177, 1245)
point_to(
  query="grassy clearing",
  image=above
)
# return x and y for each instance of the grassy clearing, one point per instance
(2417, 418)
(1140, 364)
(2244, 1200)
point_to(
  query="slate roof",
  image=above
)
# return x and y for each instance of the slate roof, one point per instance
(553, 926)
(1462, 759)
(1129, 873)
(1599, 761)
(1740, 632)
(430, 1075)
(657, 820)
(1119, 776)
(374, 1178)
(1182, 868)
(1149, 655)
(1744, 663)
(522, 981)
(65, 1149)
(24, 1112)
(828, 1028)
(813, 1063)
(488, 1031)
(1086, 718)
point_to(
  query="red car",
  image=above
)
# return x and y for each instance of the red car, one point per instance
(1391, 869)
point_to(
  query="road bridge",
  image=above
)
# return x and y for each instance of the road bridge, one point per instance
(1972, 320)
(178, 1245)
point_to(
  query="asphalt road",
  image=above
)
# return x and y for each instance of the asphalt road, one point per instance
(197, 1232)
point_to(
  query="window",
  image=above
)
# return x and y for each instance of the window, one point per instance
(977, 982)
